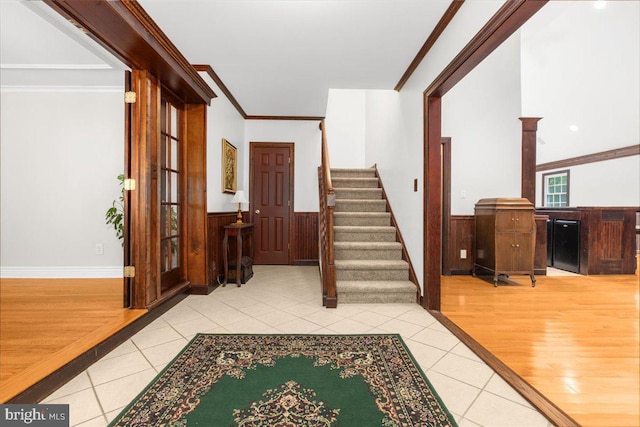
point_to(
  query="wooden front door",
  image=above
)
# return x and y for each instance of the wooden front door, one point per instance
(271, 201)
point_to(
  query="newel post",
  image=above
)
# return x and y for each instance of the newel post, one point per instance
(528, 179)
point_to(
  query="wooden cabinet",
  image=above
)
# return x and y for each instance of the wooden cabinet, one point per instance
(505, 237)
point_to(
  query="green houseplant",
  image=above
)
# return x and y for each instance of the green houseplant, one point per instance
(115, 214)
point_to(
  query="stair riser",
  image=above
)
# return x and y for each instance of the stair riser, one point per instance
(363, 206)
(391, 254)
(355, 183)
(363, 222)
(352, 174)
(346, 274)
(377, 298)
(364, 194)
(340, 236)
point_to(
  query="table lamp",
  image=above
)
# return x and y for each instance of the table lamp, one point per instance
(239, 198)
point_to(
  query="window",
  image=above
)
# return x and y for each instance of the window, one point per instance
(555, 189)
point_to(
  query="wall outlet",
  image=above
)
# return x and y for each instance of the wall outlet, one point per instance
(99, 249)
(463, 254)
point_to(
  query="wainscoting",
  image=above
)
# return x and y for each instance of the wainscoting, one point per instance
(304, 242)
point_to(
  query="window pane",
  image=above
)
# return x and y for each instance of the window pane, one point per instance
(174, 121)
(163, 186)
(175, 188)
(175, 224)
(175, 253)
(175, 161)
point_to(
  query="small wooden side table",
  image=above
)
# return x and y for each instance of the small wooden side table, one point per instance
(239, 231)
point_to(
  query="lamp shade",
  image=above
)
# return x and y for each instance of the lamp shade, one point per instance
(239, 197)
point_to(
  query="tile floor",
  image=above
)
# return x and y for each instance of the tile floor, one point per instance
(286, 300)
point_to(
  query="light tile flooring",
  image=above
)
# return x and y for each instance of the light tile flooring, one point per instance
(287, 300)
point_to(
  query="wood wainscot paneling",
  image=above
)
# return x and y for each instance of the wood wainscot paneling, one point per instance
(607, 237)
(216, 222)
(461, 237)
(305, 240)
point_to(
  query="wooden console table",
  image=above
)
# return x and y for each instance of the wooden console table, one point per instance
(239, 231)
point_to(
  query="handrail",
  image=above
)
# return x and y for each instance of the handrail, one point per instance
(327, 204)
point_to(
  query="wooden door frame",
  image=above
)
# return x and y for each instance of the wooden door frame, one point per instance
(446, 204)
(291, 145)
(506, 21)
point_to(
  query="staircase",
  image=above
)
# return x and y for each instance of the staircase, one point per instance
(368, 260)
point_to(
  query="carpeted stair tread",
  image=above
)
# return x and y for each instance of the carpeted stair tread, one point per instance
(383, 286)
(365, 228)
(354, 182)
(358, 193)
(355, 173)
(362, 219)
(364, 246)
(376, 264)
(359, 205)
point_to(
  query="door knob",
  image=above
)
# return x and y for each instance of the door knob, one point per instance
(258, 211)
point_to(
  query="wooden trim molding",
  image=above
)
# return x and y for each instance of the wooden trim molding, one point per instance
(310, 118)
(446, 18)
(125, 29)
(616, 153)
(209, 70)
(556, 415)
(511, 16)
(528, 171)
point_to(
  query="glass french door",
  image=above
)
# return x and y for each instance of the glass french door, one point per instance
(170, 168)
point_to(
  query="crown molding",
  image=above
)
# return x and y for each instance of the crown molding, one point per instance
(616, 153)
(225, 90)
(216, 79)
(445, 20)
(55, 67)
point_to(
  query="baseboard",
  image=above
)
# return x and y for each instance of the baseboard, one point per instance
(60, 272)
(305, 262)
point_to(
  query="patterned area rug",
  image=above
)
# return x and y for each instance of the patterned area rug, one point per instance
(289, 381)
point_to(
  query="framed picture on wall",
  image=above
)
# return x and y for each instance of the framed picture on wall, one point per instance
(229, 167)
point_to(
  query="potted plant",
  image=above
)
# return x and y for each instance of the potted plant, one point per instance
(115, 214)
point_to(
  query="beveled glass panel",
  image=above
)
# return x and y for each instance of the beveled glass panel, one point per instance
(175, 188)
(175, 220)
(164, 186)
(175, 160)
(174, 121)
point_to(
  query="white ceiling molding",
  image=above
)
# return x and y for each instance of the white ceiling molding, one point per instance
(55, 67)
(75, 33)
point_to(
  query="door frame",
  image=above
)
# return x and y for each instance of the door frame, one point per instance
(291, 145)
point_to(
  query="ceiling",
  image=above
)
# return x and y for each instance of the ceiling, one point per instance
(276, 57)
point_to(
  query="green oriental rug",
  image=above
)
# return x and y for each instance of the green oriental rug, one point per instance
(289, 381)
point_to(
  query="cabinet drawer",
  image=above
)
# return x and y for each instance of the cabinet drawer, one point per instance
(515, 221)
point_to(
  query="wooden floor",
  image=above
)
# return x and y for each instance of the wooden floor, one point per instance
(575, 339)
(45, 323)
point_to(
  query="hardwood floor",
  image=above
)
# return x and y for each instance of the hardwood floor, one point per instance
(45, 323)
(573, 338)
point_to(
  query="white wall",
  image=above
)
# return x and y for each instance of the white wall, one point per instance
(223, 121)
(307, 138)
(61, 154)
(594, 85)
(394, 127)
(346, 128)
(480, 114)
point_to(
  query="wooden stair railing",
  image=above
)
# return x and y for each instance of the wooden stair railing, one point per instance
(327, 204)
